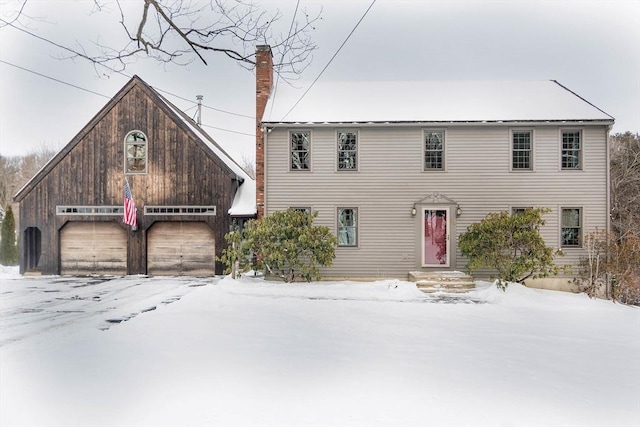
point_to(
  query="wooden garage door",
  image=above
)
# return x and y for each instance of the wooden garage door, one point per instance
(93, 248)
(181, 248)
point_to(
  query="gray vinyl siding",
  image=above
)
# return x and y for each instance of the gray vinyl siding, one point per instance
(390, 179)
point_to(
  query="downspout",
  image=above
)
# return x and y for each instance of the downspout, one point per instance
(608, 223)
(265, 132)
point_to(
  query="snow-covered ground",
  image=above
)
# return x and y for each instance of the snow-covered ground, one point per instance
(250, 352)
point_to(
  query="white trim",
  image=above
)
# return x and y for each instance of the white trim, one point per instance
(581, 227)
(423, 133)
(310, 157)
(265, 138)
(337, 150)
(146, 153)
(357, 226)
(532, 156)
(180, 210)
(526, 208)
(438, 124)
(90, 210)
(423, 210)
(580, 130)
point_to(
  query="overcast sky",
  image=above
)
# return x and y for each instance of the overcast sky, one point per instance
(592, 47)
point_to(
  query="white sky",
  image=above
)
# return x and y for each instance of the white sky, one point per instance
(592, 47)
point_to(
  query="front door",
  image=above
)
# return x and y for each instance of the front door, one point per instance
(435, 237)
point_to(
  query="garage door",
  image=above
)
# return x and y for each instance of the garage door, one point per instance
(181, 248)
(93, 248)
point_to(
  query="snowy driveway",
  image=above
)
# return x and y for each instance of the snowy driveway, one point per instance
(256, 353)
(31, 306)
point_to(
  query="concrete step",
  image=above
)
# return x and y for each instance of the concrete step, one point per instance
(442, 281)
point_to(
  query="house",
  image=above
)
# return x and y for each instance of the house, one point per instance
(186, 188)
(398, 170)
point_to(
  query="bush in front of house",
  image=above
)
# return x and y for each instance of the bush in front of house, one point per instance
(510, 244)
(284, 244)
(8, 247)
(608, 258)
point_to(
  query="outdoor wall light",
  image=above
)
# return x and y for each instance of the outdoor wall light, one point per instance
(458, 211)
(413, 211)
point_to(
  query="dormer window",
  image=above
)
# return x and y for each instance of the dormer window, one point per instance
(135, 148)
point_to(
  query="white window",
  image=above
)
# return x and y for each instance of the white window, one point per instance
(433, 150)
(518, 210)
(301, 209)
(135, 148)
(347, 226)
(571, 228)
(180, 210)
(90, 210)
(521, 150)
(571, 150)
(347, 151)
(300, 150)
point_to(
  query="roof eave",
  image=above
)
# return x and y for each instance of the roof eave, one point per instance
(568, 122)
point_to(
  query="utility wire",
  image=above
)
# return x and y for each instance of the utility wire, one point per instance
(330, 61)
(229, 130)
(54, 79)
(293, 20)
(108, 97)
(122, 73)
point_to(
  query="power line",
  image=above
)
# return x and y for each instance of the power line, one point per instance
(54, 79)
(293, 20)
(330, 61)
(122, 73)
(108, 97)
(228, 130)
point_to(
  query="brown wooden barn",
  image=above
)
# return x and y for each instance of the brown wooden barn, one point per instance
(186, 189)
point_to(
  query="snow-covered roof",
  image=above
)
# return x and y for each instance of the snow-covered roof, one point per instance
(244, 202)
(430, 101)
(208, 140)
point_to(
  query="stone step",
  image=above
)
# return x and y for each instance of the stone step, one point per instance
(442, 281)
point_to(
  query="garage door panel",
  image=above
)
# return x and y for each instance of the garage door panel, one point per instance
(181, 248)
(93, 248)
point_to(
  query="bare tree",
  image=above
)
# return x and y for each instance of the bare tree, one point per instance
(16, 171)
(249, 165)
(183, 31)
(32, 162)
(625, 185)
(9, 178)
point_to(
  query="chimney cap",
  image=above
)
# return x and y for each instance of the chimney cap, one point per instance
(263, 48)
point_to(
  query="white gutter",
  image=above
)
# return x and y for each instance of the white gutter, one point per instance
(270, 125)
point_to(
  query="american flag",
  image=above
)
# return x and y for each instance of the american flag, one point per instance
(130, 214)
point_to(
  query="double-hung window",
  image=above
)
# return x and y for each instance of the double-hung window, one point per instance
(571, 228)
(347, 227)
(521, 149)
(300, 152)
(571, 153)
(433, 150)
(347, 151)
(304, 210)
(135, 148)
(519, 210)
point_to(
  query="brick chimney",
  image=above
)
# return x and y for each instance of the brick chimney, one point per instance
(264, 83)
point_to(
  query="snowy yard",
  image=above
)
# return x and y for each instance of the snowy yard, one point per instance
(141, 351)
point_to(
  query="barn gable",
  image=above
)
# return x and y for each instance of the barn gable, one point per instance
(74, 203)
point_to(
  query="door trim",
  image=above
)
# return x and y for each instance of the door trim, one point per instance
(448, 224)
